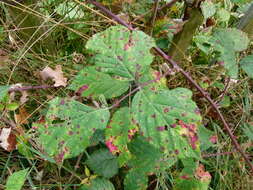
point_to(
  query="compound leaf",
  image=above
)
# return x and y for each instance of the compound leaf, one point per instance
(69, 127)
(121, 52)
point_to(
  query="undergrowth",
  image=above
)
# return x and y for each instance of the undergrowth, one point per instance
(87, 103)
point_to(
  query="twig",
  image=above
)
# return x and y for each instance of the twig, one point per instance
(154, 16)
(216, 154)
(8, 122)
(188, 77)
(24, 88)
(224, 92)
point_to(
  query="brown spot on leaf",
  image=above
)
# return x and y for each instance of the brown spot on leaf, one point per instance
(120, 58)
(166, 110)
(62, 102)
(186, 177)
(82, 89)
(213, 139)
(70, 132)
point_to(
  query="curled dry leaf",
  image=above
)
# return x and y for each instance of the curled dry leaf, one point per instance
(56, 75)
(24, 97)
(8, 139)
(22, 117)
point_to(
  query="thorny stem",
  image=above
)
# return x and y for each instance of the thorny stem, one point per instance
(187, 76)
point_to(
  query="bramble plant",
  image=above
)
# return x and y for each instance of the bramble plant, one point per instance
(118, 111)
(160, 125)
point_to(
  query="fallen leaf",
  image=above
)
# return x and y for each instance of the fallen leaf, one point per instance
(8, 139)
(56, 75)
(24, 97)
(22, 117)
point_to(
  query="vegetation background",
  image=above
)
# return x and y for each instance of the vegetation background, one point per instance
(48, 48)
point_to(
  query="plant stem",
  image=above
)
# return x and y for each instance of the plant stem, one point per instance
(24, 88)
(188, 77)
(154, 16)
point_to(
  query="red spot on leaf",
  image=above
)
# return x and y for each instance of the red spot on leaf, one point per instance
(161, 128)
(112, 148)
(131, 133)
(166, 110)
(201, 174)
(213, 139)
(186, 177)
(82, 89)
(70, 133)
(153, 116)
(191, 133)
(173, 125)
(62, 102)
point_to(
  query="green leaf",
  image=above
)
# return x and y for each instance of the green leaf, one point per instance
(145, 159)
(70, 10)
(205, 136)
(193, 177)
(121, 52)
(90, 82)
(223, 15)
(225, 102)
(102, 162)
(135, 180)
(98, 184)
(16, 180)
(247, 65)
(191, 184)
(119, 132)
(169, 120)
(208, 9)
(3, 91)
(69, 127)
(228, 42)
(12, 106)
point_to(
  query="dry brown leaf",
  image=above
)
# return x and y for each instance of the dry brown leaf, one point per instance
(8, 139)
(24, 97)
(56, 75)
(22, 117)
